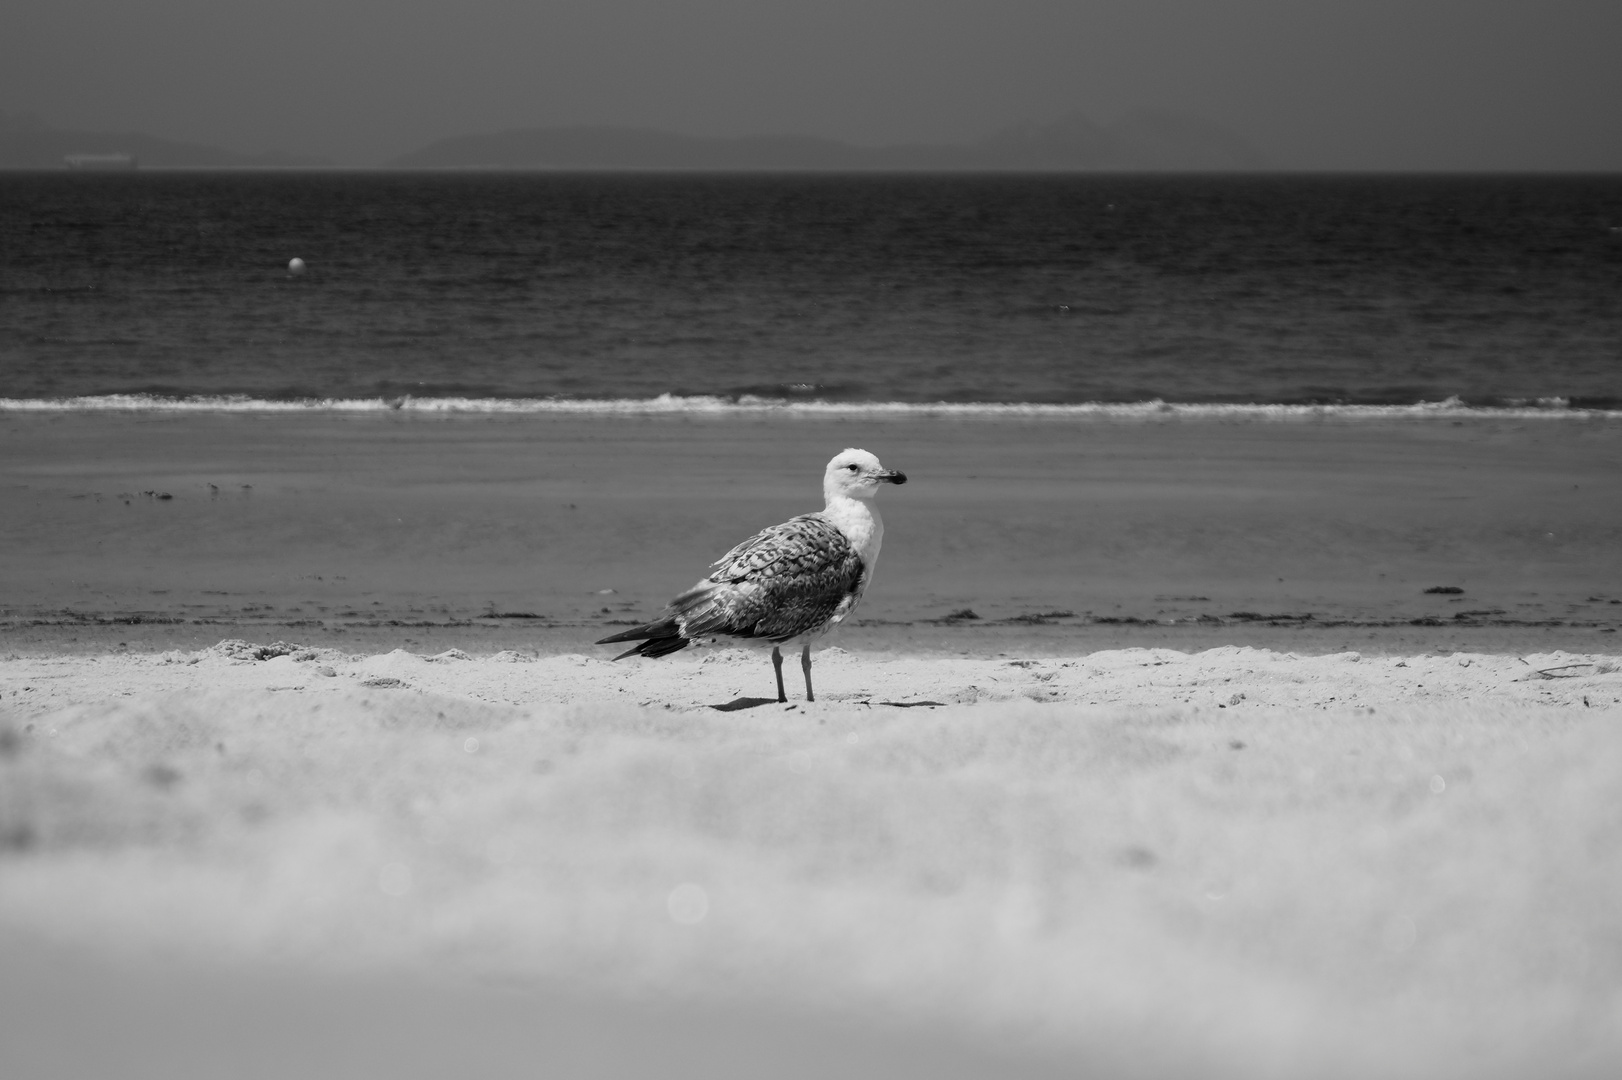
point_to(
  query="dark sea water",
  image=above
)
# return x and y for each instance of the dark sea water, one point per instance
(1055, 290)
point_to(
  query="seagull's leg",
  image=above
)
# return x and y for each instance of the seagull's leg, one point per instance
(777, 666)
(805, 665)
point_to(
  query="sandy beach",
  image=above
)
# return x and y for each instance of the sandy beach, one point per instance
(1240, 861)
(309, 768)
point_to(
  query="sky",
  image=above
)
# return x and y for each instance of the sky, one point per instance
(1313, 84)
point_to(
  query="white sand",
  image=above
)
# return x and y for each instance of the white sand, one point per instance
(1255, 862)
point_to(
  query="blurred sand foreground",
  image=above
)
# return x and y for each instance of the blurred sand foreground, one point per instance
(280, 861)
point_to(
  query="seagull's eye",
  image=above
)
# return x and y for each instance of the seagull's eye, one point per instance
(852, 468)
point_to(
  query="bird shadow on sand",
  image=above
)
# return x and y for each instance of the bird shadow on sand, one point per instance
(744, 703)
(754, 702)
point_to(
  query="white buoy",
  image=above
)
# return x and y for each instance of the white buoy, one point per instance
(295, 267)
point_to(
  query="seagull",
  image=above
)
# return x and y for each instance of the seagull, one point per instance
(790, 582)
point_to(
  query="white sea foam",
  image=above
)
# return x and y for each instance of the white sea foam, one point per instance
(668, 404)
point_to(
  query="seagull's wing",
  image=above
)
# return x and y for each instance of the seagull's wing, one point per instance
(806, 544)
(783, 581)
(791, 579)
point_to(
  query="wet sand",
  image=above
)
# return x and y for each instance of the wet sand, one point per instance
(536, 532)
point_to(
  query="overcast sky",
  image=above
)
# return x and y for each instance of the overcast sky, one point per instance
(1316, 84)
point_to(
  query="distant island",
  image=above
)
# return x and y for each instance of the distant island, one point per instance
(1144, 141)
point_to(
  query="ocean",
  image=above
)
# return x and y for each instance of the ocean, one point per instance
(503, 291)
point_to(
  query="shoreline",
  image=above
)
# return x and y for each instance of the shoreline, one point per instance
(83, 635)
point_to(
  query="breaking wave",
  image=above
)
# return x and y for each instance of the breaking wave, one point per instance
(748, 405)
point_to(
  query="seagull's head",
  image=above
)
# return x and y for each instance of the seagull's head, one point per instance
(856, 474)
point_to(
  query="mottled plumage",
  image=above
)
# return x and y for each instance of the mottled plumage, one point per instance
(793, 580)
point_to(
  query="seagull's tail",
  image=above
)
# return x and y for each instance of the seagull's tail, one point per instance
(672, 631)
(658, 638)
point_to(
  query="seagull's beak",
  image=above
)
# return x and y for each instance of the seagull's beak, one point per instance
(891, 476)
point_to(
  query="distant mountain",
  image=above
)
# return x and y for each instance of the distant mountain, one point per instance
(1147, 140)
(1144, 141)
(629, 148)
(29, 145)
